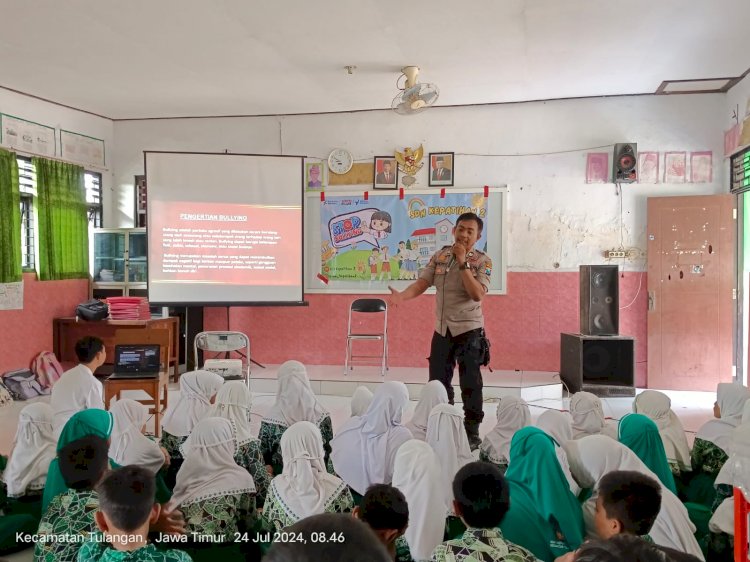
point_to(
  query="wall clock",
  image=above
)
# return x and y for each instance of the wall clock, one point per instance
(340, 161)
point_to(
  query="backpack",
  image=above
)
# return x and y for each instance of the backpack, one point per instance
(22, 384)
(47, 369)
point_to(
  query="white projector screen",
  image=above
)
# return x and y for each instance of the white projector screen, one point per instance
(224, 229)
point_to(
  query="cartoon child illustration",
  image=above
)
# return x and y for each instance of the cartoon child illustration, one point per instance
(380, 224)
(385, 263)
(408, 261)
(373, 261)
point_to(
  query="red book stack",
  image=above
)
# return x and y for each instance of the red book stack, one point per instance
(128, 308)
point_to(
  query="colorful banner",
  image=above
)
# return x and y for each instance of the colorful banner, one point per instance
(383, 237)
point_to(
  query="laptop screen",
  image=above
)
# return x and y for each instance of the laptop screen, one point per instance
(137, 358)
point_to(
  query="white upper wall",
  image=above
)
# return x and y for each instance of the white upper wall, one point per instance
(556, 220)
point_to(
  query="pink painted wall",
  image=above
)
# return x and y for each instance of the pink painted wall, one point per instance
(524, 325)
(24, 333)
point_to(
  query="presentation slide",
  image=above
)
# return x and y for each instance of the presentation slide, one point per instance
(224, 229)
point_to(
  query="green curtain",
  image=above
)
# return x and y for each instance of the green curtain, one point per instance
(10, 219)
(63, 225)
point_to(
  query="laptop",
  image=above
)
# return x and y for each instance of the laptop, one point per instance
(136, 361)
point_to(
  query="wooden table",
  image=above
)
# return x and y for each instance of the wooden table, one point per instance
(155, 387)
(67, 331)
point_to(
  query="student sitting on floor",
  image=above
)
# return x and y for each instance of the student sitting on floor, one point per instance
(481, 500)
(78, 389)
(361, 400)
(588, 416)
(512, 414)
(625, 548)
(82, 464)
(628, 502)
(295, 401)
(126, 509)
(197, 391)
(233, 402)
(386, 512)
(304, 488)
(559, 426)
(640, 434)
(433, 393)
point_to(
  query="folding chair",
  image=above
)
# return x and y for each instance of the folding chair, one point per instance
(367, 307)
(233, 346)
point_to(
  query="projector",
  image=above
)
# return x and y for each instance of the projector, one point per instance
(230, 369)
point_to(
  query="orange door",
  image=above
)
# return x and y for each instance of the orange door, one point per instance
(691, 281)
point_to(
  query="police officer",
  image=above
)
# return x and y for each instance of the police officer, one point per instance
(461, 275)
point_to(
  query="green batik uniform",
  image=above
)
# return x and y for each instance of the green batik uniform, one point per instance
(484, 457)
(70, 515)
(97, 550)
(270, 441)
(481, 545)
(249, 457)
(641, 435)
(277, 515)
(544, 515)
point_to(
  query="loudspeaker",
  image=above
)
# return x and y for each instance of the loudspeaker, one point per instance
(625, 162)
(602, 365)
(600, 300)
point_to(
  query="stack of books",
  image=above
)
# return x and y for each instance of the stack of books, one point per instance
(129, 308)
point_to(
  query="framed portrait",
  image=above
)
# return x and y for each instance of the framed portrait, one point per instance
(674, 167)
(648, 167)
(701, 167)
(441, 169)
(314, 176)
(386, 173)
(597, 167)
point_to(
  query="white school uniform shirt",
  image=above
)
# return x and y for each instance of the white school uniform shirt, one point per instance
(76, 390)
(593, 456)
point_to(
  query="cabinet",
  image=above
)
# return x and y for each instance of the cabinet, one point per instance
(118, 262)
(602, 365)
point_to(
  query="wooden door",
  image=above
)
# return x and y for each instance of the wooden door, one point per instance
(691, 282)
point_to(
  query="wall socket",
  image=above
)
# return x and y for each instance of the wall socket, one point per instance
(615, 254)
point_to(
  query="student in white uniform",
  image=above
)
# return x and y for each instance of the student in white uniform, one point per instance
(78, 389)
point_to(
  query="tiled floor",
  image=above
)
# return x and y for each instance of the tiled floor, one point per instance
(693, 408)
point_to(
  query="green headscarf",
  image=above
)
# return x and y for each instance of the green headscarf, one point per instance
(641, 435)
(83, 424)
(537, 482)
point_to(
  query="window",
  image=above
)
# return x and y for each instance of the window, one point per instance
(27, 184)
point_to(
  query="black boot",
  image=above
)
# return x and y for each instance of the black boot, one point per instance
(472, 432)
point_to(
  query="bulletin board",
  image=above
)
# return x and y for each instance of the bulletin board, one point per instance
(361, 242)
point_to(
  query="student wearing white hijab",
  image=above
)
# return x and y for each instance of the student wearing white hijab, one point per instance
(417, 474)
(512, 414)
(593, 456)
(559, 426)
(728, 408)
(361, 400)
(588, 416)
(128, 444)
(304, 488)
(33, 449)
(447, 437)
(433, 393)
(364, 449)
(295, 401)
(214, 493)
(735, 472)
(657, 406)
(234, 402)
(197, 390)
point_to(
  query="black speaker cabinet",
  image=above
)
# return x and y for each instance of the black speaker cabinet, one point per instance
(625, 162)
(599, 300)
(602, 365)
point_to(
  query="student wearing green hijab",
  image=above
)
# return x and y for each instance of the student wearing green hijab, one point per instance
(641, 435)
(544, 516)
(83, 424)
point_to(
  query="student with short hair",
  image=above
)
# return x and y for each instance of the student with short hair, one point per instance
(78, 389)
(126, 509)
(385, 510)
(82, 464)
(481, 501)
(627, 548)
(628, 502)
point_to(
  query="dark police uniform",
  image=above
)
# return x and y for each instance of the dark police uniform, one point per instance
(458, 325)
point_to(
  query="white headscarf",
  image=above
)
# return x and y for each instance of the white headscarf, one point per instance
(209, 469)
(295, 400)
(731, 398)
(588, 416)
(736, 470)
(433, 393)
(558, 425)
(233, 402)
(657, 406)
(128, 445)
(447, 437)
(593, 456)
(361, 400)
(512, 414)
(196, 390)
(33, 450)
(417, 475)
(305, 488)
(364, 449)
